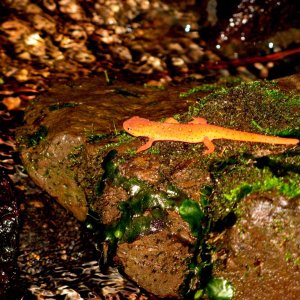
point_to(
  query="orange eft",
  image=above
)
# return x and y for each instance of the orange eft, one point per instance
(196, 131)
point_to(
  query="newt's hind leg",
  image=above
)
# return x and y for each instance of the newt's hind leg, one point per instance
(210, 146)
(199, 121)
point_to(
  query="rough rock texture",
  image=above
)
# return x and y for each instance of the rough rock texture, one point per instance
(156, 262)
(157, 210)
(261, 251)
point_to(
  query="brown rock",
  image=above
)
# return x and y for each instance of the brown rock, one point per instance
(262, 249)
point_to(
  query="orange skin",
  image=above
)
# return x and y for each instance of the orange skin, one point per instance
(196, 131)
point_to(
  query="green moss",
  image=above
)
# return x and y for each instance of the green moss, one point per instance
(260, 100)
(289, 257)
(130, 151)
(32, 140)
(287, 186)
(275, 94)
(155, 150)
(202, 88)
(122, 137)
(236, 177)
(194, 110)
(239, 192)
(288, 132)
(220, 87)
(61, 105)
(75, 155)
(272, 94)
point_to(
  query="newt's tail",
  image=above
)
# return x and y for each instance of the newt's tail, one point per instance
(236, 135)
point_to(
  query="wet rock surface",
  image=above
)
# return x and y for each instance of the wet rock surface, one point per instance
(156, 262)
(157, 210)
(260, 254)
(71, 115)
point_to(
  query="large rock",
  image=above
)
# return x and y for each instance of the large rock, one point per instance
(70, 117)
(154, 212)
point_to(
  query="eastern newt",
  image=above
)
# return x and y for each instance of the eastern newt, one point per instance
(196, 131)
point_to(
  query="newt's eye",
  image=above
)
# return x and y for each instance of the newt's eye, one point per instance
(129, 128)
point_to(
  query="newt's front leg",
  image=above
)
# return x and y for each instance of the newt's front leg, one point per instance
(146, 146)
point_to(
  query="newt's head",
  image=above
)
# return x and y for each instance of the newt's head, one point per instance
(136, 126)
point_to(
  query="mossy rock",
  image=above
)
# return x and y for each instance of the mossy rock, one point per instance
(172, 194)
